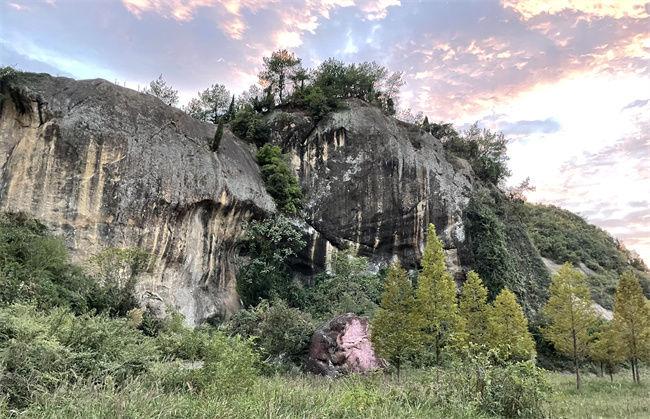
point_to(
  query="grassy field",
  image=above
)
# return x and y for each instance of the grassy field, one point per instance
(417, 395)
(599, 398)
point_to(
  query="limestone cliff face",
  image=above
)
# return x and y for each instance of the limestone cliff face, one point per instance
(374, 183)
(108, 166)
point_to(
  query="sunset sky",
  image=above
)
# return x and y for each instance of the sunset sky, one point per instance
(568, 81)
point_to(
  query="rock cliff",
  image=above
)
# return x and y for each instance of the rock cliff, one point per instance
(108, 166)
(374, 183)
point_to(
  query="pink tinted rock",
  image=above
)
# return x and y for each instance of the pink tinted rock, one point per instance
(343, 346)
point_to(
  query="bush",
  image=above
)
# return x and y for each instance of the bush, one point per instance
(230, 366)
(116, 271)
(34, 266)
(41, 351)
(279, 331)
(279, 180)
(349, 288)
(250, 126)
(269, 245)
(516, 390)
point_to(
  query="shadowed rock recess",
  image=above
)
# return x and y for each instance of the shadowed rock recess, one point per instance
(108, 166)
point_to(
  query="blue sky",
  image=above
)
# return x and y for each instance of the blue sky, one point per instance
(568, 81)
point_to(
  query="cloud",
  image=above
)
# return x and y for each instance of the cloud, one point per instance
(592, 8)
(637, 104)
(546, 126)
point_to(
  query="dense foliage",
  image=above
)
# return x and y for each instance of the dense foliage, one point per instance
(35, 267)
(563, 236)
(501, 251)
(280, 332)
(348, 288)
(269, 245)
(279, 179)
(250, 126)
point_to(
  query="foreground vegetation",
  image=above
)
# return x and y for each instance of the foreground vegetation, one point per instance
(419, 394)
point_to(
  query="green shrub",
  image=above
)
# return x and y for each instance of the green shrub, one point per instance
(281, 183)
(349, 288)
(230, 366)
(516, 390)
(41, 351)
(116, 271)
(269, 244)
(279, 331)
(249, 126)
(34, 266)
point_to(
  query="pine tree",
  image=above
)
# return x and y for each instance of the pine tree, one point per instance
(632, 322)
(570, 315)
(394, 331)
(436, 308)
(474, 308)
(218, 135)
(425, 124)
(507, 330)
(605, 349)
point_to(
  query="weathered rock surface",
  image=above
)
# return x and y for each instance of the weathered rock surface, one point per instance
(343, 346)
(374, 183)
(108, 166)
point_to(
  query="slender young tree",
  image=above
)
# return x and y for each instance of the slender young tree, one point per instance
(474, 308)
(605, 349)
(507, 330)
(394, 332)
(436, 309)
(570, 315)
(632, 322)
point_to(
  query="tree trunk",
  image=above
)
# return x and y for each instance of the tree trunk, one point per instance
(575, 360)
(632, 368)
(602, 374)
(397, 364)
(611, 376)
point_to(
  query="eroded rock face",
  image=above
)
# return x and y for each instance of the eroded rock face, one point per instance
(374, 183)
(343, 346)
(108, 166)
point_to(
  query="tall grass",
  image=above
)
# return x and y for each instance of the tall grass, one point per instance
(600, 398)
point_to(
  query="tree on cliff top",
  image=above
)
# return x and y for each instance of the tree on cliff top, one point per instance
(394, 330)
(281, 66)
(570, 315)
(160, 89)
(210, 104)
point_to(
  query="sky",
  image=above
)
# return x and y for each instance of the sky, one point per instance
(567, 81)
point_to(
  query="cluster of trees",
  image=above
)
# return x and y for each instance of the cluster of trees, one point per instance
(425, 323)
(284, 81)
(575, 330)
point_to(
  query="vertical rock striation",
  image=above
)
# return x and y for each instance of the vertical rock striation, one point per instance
(108, 166)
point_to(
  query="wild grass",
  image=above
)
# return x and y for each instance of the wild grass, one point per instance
(600, 398)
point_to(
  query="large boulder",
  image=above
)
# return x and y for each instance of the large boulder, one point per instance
(343, 346)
